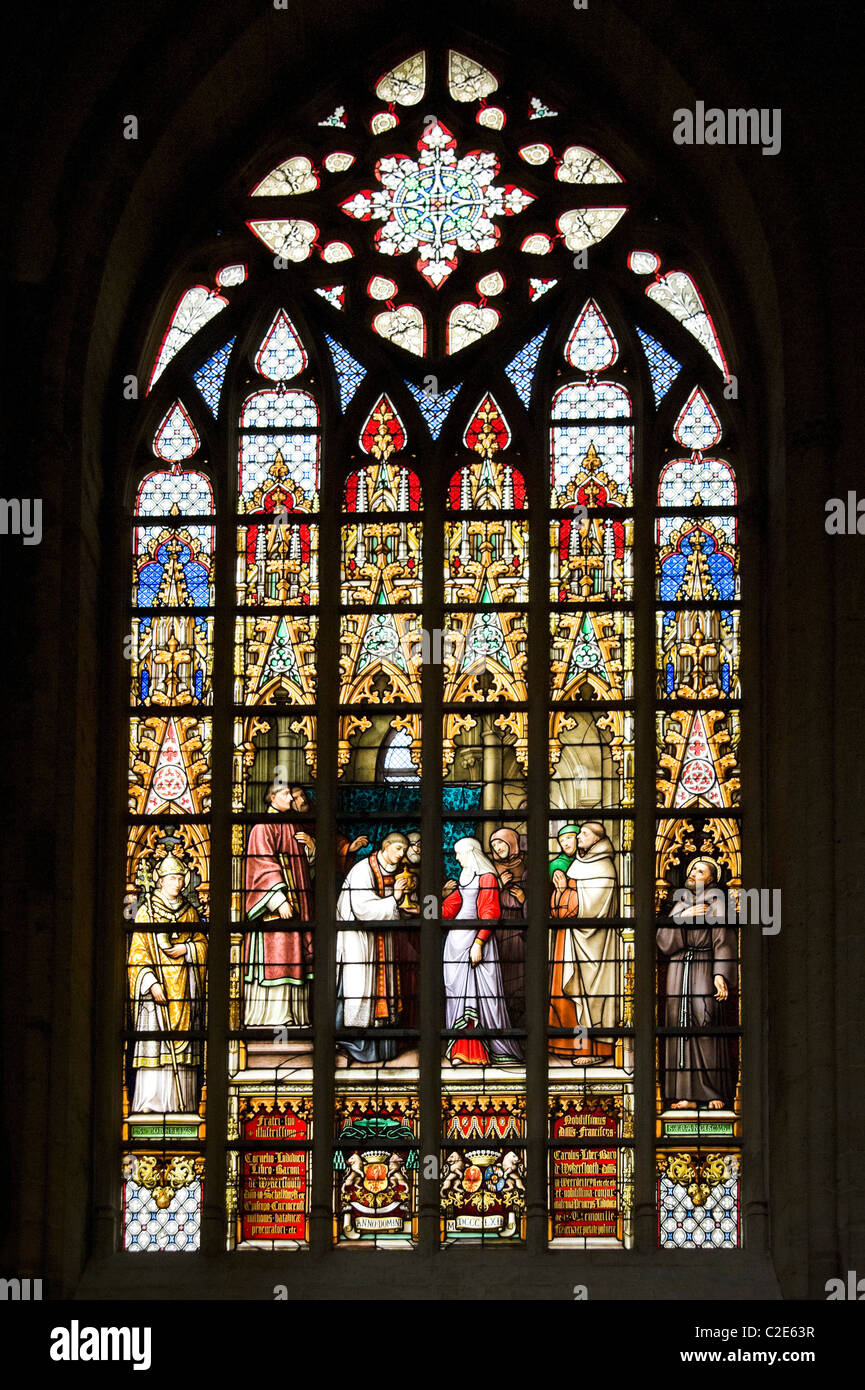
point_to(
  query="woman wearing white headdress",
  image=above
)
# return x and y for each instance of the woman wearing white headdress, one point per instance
(472, 973)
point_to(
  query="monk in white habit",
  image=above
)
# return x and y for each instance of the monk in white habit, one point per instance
(584, 986)
(367, 974)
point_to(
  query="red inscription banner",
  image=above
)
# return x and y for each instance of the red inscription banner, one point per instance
(273, 1193)
(585, 1181)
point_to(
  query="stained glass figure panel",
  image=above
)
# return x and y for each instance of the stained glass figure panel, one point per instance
(173, 955)
(485, 659)
(697, 963)
(271, 1001)
(166, 980)
(378, 850)
(591, 868)
(172, 566)
(376, 1162)
(171, 660)
(377, 987)
(272, 749)
(269, 1182)
(274, 659)
(590, 1168)
(698, 834)
(180, 850)
(381, 562)
(697, 653)
(484, 967)
(698, 558)
(164, 1074)
(381, 657)
(591, 655)
(162, 1197)
(592, 557)
(591, 984)
(277, 561)
(273, 882)
(698, 1200)
(698, 758)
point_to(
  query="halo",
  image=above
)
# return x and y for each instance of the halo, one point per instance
(704, 859)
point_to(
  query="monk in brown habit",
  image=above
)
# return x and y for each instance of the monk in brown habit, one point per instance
(702, 967)
(509, 862)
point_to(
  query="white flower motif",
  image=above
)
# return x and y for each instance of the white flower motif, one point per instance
(437, 204)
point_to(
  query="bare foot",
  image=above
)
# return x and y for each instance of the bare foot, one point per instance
(684, 1105)
(716, 1105)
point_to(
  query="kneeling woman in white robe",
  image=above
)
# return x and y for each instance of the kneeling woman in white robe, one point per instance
(472, 972)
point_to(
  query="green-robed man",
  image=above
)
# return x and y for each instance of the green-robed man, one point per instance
(567, 838)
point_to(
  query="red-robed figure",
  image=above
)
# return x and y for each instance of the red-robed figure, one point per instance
(474, 995)
(279, 860)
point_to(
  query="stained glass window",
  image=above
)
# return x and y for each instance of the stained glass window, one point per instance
(211, 375)
(466, 655)
(698, 839)
(166, 909)
(663, 367)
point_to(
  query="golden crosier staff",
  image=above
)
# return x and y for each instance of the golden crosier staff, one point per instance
(148, 895)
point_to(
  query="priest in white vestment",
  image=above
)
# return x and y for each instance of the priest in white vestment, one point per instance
(368, 986)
